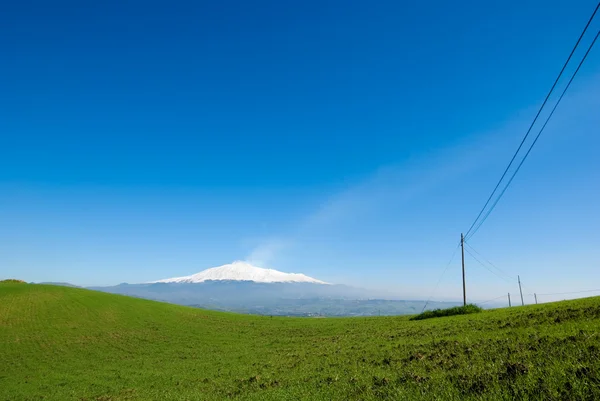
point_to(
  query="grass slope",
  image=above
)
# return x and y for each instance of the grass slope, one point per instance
(60, 343)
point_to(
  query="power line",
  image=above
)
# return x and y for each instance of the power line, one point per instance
(440, 279)
(487, 268)
(490, 300)
(528, 289)
(467, 235)
(490, 263)
(538, 135)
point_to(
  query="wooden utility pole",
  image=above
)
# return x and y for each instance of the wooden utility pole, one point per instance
(462, 246)
(535, 296)
(521, 291)
(509, 305)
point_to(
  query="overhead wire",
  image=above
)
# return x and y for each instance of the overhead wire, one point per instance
(440, 279)
(487, 268)
(511, 278)
(536, 138)
(469, 231)
(490, 263)
(490, 300)
(478, 222)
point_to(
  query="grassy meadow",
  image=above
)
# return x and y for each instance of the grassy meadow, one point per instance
(60, 343)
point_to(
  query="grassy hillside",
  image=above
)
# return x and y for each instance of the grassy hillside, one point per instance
(60, 343)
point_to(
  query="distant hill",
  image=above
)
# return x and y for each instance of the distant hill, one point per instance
(60, 343)
(274, 298)
(244, 288)
(12, 281)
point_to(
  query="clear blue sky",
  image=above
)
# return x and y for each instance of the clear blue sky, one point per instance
(350, 141)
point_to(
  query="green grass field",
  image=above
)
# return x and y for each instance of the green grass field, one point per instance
(59, 343)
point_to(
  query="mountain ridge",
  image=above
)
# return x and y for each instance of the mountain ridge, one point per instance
(242, 271)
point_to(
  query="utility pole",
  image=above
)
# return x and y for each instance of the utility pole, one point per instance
(462, 246)
(521, 291)
(509, 305)
(535, 296)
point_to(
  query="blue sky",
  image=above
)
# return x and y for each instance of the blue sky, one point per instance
(349, 141)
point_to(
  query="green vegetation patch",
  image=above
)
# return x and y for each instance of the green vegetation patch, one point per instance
(457, 310)
(61, 343)
(12, 280)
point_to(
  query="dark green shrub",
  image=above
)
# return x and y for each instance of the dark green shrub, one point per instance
(457, 310)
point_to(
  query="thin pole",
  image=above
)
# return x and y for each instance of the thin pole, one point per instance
(509, 305)
(535, 296)
(520, 290)
(462, 245)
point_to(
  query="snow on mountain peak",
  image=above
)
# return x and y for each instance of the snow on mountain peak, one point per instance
(243, 271)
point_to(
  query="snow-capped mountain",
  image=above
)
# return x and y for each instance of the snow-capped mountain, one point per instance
(243, 288)
(242, 271)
